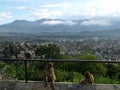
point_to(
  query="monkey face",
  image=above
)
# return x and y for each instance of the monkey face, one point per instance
(49, 65)
(87, 74)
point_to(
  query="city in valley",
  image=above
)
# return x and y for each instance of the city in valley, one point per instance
(17, 45)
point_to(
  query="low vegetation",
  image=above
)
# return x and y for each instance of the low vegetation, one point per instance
(65, 71)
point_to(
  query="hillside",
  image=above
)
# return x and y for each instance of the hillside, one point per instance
(53, 26)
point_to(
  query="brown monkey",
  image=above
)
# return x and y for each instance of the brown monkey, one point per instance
(89, 78)
(49, 75)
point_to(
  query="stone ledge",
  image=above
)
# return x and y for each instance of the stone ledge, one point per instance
(38, 85)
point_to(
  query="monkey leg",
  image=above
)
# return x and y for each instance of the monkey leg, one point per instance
(52, 85)
(46, 84)
(83, 82)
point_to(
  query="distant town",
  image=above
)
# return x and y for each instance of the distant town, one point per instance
(72, 45)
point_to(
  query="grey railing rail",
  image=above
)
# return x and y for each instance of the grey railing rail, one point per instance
(62, 60)
(56, 60)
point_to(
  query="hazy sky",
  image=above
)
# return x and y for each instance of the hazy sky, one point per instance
(32, 10)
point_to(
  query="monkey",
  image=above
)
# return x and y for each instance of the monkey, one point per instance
(89, 78)
(49, 75)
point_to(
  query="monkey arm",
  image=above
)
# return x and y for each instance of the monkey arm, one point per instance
(46, 81)
(92, 78)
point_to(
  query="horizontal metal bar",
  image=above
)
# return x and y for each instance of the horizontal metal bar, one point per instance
(62, 60)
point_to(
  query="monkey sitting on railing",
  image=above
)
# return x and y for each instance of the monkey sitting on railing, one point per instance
(49, 75)
(89, 78)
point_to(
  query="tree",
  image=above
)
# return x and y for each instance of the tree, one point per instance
(10, 50)
(112, 69)
(48, 51)
(7, 71)
(87, 56)
(96, 68)
(28, 55)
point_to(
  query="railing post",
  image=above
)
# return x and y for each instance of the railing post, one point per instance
(26, 78)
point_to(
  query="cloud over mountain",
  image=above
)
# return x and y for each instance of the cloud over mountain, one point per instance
(57, 22)
(58, 25)
(96, 22)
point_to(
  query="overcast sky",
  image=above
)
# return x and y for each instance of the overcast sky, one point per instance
(32, 10)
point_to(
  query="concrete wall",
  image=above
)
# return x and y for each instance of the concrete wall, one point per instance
(32, 85)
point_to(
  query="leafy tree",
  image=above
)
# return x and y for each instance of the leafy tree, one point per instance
(28, 55)
(87, 56)
(7, 71)
(48, 51)
(65, 56)
(113, 70)
(95, 68)
(10, 50)
(7, 52)
(14, 50)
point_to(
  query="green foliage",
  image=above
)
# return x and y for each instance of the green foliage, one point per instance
(7, 71)
(65, 56)
(112, 69)
(7, 52)
(65, 76)
(105, 80)
(20, 72)
(61, 75)
(116, 76)
(10, 50)
(65, 71)
(87, 56)
(69, 66)
(95, 68)
(35, 71)
(28, 55)
(48, 51)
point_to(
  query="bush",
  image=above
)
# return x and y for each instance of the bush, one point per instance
(65, 76)
(105, 80)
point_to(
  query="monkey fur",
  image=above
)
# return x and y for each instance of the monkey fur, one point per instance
(49, 75)
(89, 78)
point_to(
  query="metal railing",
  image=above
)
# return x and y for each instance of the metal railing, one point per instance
(55, 60)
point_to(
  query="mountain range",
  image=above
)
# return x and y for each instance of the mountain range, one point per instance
(57, 25)
(81, 28)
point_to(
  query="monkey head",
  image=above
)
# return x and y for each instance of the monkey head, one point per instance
(87, 74)
(49, 65)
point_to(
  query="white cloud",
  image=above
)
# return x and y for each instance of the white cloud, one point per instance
(5, 15)
(22, 7)
(28, 1)
(44, 13)
(51, 5)
(99, 8)
(56, 22)
(91, 13)
(53, 22)
(55, 13)
(38, 14)
(25, 8)
(96, 22)
(110, 5)
(64, 5)
(67, 5)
